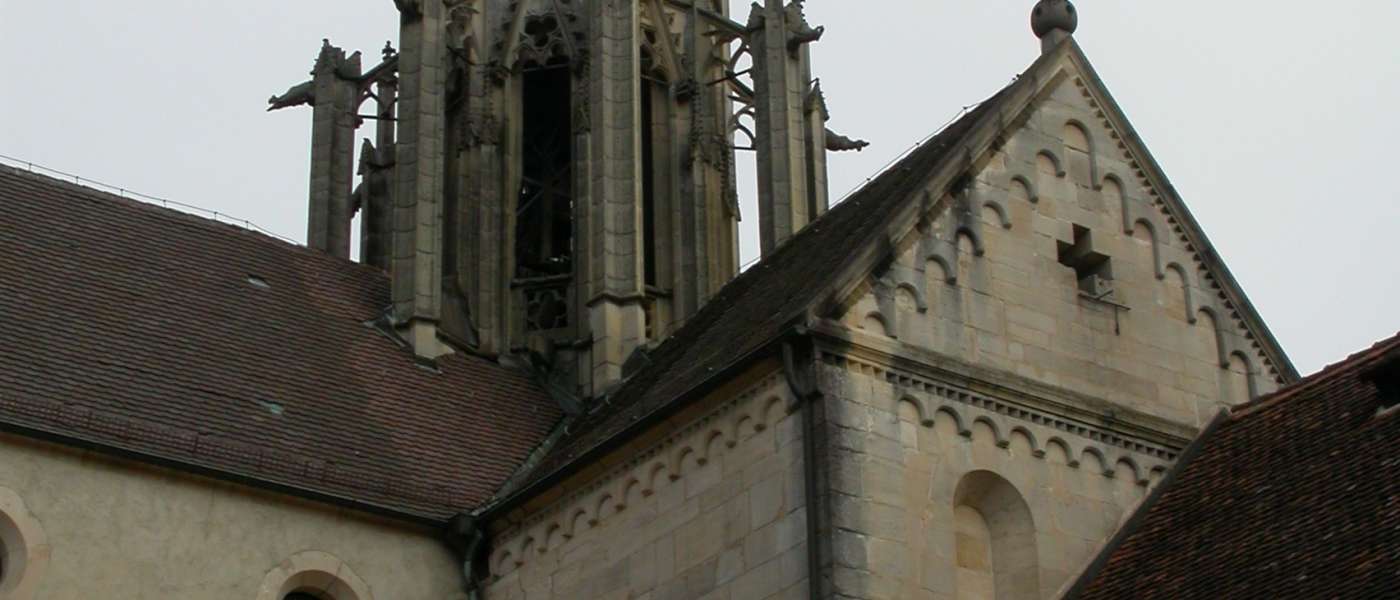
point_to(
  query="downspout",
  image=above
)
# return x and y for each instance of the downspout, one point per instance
(465, 536)
(800, 371)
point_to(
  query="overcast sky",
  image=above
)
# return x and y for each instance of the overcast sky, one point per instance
(1275, 121)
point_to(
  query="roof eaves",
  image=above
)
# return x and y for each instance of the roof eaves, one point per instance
(194, 467)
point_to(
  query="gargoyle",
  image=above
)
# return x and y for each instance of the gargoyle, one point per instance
(799, 31)
(836, 142)
(297, 95)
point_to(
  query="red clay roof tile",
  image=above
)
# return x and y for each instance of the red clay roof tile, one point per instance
(1296, 495)
(135, 327)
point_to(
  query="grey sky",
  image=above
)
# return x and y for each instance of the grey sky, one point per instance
(1276, 121)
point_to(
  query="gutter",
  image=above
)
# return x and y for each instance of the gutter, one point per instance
(800, 372)
(1135, 522)
(466, 537)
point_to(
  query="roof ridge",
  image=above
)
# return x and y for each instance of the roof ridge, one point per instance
(1354, 362)
(179, 216)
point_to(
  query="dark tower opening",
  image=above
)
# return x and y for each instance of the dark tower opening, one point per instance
(648, 152)
(544, 226)
(653, 89)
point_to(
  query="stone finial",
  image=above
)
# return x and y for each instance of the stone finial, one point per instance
(1053, 21)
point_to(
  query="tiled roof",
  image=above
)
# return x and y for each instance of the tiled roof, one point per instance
(758, 306)
(1296, 495)
(131, 327)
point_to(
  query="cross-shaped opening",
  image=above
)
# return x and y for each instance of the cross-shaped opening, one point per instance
(1092, 268)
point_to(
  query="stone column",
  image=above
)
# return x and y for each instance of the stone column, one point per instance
(778, 36)
(418, 189)
(615, 288)
(332, 150)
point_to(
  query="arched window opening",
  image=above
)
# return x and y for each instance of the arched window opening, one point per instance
(313, 575)
(544, 226)
(995, 540)
(24, 548)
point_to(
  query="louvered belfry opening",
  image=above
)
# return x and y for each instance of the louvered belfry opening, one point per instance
(544, 226)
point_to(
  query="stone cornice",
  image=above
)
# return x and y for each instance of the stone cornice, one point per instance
(1004, 393)
(682, 445)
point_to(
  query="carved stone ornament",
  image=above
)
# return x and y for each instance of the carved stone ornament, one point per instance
(482, 130)
(459, 25)
(544, 40)
(799, 32)
(1051, 15)
(297, 95)
(583, 118)
(687, 90)
(836, 142)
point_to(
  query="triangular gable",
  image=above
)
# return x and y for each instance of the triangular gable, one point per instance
(1169, 206)
(1149, 202)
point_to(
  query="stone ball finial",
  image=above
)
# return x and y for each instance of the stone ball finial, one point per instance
(1050, 15)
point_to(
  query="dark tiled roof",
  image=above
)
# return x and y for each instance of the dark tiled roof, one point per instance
(759, 305)
(1296, 495)
(134, 327)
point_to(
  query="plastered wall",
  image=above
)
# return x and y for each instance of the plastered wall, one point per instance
(118, 530)
(713, 510)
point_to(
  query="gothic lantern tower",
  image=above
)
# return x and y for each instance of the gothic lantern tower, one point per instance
(556, 177)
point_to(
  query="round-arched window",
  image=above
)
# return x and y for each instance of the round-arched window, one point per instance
(313, 575)
(24, 551)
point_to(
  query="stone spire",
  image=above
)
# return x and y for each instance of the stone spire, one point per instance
(1053, 21)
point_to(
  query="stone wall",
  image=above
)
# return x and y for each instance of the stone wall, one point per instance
(715, 509)
(123, 531)
(1038, 354)
(903, 445)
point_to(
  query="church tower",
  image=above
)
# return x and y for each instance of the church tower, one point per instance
(556, 177)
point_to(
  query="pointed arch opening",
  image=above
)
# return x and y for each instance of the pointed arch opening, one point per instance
(995, 540)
